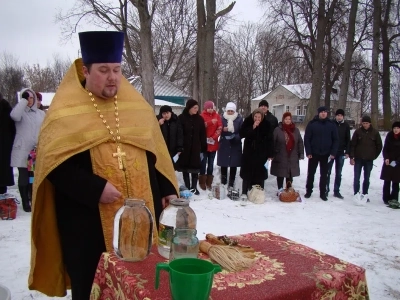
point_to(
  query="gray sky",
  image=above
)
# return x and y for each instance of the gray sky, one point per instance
(28, 30)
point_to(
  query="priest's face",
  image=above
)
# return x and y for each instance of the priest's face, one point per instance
(103, 79)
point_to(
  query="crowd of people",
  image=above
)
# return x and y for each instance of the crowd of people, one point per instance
(265, 140)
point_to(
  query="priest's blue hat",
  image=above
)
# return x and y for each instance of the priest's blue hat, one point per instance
(101, 46)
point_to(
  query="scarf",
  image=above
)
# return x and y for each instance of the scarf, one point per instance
(289, 138)
(230, 119)
(396, 136)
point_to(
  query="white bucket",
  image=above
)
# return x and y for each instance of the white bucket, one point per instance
(5, 293)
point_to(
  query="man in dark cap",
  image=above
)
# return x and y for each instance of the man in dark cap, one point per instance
(366, 145)
(321, 143)
(273, 121)
(343, 153)
(99, 145)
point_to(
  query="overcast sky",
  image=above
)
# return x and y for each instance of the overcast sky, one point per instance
(28, 30)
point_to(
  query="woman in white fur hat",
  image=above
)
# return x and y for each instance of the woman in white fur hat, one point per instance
(230, 147)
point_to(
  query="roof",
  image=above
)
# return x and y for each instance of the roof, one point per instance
(261, 97)
(158, 102)
(303, 91)
(48, 97)
(162, 86)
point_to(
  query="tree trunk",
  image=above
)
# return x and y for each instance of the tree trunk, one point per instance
(317, 77)
(386, 98)
(328, 71)
(344, 86)
(375, 63)
(146, 50)
(204, 65)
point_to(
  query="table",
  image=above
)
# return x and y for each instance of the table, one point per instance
(284, 269)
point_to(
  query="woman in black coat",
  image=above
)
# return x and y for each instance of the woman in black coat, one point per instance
(171, 130)
(194, 144)
(7, 134)
(391, 165)
(258, 148)
(230, 144)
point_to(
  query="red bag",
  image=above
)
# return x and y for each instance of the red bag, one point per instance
(8, 207)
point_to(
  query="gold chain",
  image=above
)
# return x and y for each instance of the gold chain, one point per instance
(116, 137)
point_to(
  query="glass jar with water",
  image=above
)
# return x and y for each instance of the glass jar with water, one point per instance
(178, 214)
(184, 244)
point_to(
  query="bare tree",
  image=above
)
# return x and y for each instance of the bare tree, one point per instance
(11, 77)
(390, 34)
(344, 85)
(375, 63)
(207, 16)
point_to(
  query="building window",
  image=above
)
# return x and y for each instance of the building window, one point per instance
(304, 110)
(298, 110)
(287, 108)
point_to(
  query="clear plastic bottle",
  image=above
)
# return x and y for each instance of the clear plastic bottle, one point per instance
(133, 231)
(177, 214)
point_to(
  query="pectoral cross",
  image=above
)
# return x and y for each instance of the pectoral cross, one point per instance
(119, 154)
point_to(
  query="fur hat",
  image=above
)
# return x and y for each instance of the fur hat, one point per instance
(230, 106)
(366, 119)
(286, 114)
(209, 105)
(263, 103)
(190, 103)
(321, 109)
(165, 108)
(396, 124)
(339, 112)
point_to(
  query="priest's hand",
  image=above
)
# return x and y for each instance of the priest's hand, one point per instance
(110, 194)
(165, 200)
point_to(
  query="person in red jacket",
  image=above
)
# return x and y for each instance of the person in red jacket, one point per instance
(213, 124)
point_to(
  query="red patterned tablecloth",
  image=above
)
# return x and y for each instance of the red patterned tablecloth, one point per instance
(284, 269)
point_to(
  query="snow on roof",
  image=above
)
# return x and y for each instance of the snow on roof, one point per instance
(261, 97)
(303, 91)
(158, 102)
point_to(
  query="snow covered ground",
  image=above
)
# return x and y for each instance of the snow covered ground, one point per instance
(367, 236)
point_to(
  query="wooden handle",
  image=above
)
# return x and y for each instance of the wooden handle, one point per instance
(214, 239)
(205, 247)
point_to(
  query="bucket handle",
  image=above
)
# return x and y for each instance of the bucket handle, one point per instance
(217, 268)
(159, 267)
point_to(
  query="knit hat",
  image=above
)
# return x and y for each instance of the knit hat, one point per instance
(340, 112)
(165, 108)
(190, 103)
(366, 119)
(38, 96)
(396, 124)
(286, 114)
(230, 106)
(321, 109)
(263, 103)
(208, 104)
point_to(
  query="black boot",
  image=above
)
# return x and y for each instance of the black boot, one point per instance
(186, 179)
(194, 189)
(23, 190)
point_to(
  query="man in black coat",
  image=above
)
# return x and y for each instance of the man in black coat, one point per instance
(321, 142)
(342, 154)
(7, 134)
(273, 121)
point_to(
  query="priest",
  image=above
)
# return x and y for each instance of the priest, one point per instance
(99, 144)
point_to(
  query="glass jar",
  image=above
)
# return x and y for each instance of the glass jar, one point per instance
(177, 214)
(184, 244)
(243, 200)
(219, 191)
(133, 230)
